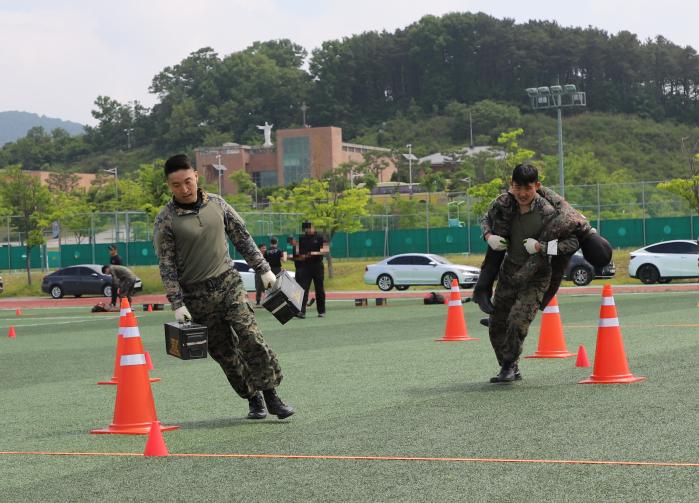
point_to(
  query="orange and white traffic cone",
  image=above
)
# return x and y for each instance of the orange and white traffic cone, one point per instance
(456, 323)
(611, 366)
(124, 325)
(552, 344)
(134, 409)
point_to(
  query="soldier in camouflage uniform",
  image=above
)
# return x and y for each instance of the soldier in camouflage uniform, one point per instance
(567, 221)
(196, 269)
(526, 271)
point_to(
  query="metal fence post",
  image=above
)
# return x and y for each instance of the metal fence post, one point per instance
(643, 207)
(92, 235)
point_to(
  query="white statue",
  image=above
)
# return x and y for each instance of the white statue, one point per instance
(267, 128)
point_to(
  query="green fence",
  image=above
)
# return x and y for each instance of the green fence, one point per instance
(625, 233)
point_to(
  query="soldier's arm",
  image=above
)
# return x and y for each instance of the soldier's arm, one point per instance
(238, 233)
(164, 243)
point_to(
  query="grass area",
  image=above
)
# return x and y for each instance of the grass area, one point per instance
(348, 275)
(365, 381)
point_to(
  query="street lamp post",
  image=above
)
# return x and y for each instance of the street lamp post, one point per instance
(128, 132)
(558, 97)
(115, 171)
(410, 167)
(218, 163)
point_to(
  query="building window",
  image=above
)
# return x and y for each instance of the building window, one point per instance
(297, 159)
(265, 178)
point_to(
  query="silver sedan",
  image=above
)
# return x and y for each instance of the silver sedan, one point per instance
(408, 269)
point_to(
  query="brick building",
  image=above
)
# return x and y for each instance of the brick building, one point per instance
(297, 154)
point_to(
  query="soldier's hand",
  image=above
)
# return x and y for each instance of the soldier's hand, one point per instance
(532, 246)
(497, 243)
(268, 279)
(182, 314)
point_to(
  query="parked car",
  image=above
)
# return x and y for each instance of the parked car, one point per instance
(581, 272)
(79, 280)
(2, 285)
(247, 273)
(408, 269)
(662, 262)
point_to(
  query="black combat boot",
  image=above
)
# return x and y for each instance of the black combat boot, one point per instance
(506, 375)
(518, 374)
(257, 407)
(275, 404)
(489, 273)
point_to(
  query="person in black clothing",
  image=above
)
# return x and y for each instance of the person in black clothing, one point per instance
(274, 256)
(312, 247)
(114, 259)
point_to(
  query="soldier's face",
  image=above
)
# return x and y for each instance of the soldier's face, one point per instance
(183, 185)
(524, 194)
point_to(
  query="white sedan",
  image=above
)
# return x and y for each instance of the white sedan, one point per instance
(661, 262)
(247, 273)
(408, 269)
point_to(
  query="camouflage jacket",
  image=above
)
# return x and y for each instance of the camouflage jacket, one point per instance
(561, 222)
(164, 241)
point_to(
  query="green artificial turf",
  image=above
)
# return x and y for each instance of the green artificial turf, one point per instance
(364, 381)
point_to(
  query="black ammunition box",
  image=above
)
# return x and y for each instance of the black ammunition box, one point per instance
(186, 341)
(284, 299)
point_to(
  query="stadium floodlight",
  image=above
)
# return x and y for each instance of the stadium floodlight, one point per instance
(557, 97)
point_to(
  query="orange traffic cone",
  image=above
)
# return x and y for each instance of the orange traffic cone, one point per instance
(155, 445)
(611, 365)
(18, 312)
(134, 410)
(124, 326)
(11, 332)
(150, 308)
(149, 362)
(552, 344)
(582, 360)
(456, 323)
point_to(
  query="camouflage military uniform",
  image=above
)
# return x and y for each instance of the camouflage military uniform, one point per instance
(197, 272)
(566, 223)
(519, 294)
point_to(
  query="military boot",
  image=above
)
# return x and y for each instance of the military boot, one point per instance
(506, 375)
(257, 407)
(483, 289)
(518, 373)
(275, 404)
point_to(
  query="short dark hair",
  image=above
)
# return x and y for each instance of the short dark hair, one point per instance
(306, 225)
(176, 163)
(524, 174)
(104, 268)
(273, 241)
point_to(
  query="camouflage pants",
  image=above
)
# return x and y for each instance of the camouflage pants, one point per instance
(515, 309)
(235, 341)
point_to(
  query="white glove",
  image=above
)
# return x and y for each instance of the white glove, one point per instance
(497, 243)
(530, 245)
(182, 314)
(268, 279)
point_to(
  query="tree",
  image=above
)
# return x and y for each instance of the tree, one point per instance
(30, 200)
(329, 211)
(484, 194)
(73, 213)
(687, 188)
(62, 182)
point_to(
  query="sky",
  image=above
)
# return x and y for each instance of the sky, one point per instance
(57, 56)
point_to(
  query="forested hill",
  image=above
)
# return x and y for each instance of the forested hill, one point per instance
(14, 125)
(431, 72)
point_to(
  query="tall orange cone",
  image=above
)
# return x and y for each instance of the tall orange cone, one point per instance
(155, 445)
(611, 366)
(552, 344)
(11, 332)
(123, 326)
(456, 323)
(134, 410)
(582, 360)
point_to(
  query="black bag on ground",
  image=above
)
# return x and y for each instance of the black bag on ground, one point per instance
(433, 298)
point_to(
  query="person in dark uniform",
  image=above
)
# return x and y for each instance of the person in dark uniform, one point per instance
(123, 281)
(312, 247)
(292, 247)
(274, 256)
(114, 259)
(259, 288)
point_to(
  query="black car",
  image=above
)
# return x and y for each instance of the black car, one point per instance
(581, 272)
(2, 285)
(80, 280)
